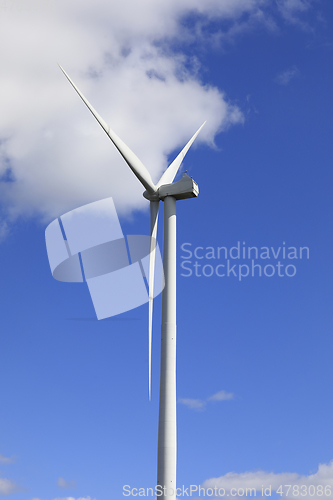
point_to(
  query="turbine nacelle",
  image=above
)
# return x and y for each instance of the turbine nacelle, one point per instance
(185, 188)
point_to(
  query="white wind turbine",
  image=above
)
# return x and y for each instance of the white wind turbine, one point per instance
(168, 192)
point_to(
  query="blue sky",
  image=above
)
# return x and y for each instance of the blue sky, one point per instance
(75, 419)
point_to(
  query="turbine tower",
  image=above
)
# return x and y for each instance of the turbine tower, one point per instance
(169, 192)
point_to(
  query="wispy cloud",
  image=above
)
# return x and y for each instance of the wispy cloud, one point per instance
(66, 498)
(287, 75)
(193, 404)
(263, 479)
(4, 231)
(66, 485)
(200, 404)
(292, 10)
(221, 396)
(6, 460)
(72, 498)
(8, 487)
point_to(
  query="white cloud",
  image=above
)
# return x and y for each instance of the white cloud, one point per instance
(53, 155)
(3, 459)
(193, 404)
(58, 156)
(4, 231)
(72, 498)
(287, 75)
(67, 498)
(62, 483)
(258, 479)
(291, 10)
(221, 396)
(8, 487)
(200, 404)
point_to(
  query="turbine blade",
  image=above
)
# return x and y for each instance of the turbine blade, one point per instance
(131, 159)
(171, 171)
(154, 206)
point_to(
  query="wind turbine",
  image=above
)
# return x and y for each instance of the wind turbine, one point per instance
(169, 192)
